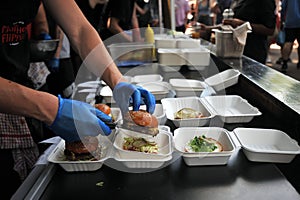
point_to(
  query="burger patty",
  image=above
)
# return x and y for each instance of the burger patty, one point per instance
(87, 149)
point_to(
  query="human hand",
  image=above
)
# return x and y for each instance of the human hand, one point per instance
(76, 119)
(233, 22)
(124, 92)
(53, 65)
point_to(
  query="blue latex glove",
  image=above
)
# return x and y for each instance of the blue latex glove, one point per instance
(53, 65)
(76, 119)
(44, 36)
(124, 92)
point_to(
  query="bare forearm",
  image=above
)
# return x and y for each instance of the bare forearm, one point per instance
(20, 100)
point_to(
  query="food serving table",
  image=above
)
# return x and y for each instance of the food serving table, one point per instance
(238, 179)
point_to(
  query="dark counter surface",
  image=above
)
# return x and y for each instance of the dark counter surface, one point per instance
(273, 93)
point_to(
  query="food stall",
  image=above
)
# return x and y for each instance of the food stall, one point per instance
(275, 95)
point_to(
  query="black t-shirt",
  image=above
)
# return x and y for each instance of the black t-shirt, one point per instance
(257, 12)
(120, 9)
(93, 15)
(16, 18)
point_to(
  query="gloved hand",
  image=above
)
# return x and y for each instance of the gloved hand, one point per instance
(77, 119)
(53, 65)
(124, 92)
(44, 36)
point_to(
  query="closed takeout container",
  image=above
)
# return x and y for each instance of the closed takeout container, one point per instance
(231, 108)
(267, 145)
(223, 79)
(196, 56)
(159, 89)
(147, 78)
(134, 52)
(173, 105)
(183, 135)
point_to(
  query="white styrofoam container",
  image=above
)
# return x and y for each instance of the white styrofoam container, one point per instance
(159, 113)
(164, 42)
(107, 94)
(187, 87)
(183, 135)
(158, 89)
(163, 140)
(223, 79)
(231, 108)
(186, 83)
(132, 51)
(132, 162)
(173, 105)
(267, 145)
(170, 57)
(147, 78)
(57, 156)
(188, 43)
(197, 56)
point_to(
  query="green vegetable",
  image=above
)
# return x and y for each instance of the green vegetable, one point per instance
(100, 184)
(201, 144)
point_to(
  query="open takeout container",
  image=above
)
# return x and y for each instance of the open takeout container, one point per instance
(187, 87)
(223, 79)
(173, 105)
(111, 148)
(267, 145)
(183, 135)
(231, 108)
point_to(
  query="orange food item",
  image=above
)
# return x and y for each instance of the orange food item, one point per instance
(104, 108)
(143, 118)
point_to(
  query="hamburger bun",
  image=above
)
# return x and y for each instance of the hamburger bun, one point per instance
(141, 121)
(104, 108)
(87, 149)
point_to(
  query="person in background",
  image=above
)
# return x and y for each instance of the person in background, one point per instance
(58, 114)
(290, 18)
(120, 20)
(203, 11)
(93, 10)
(262, 18)
(182, 10)
(143, 13)
(218, 8)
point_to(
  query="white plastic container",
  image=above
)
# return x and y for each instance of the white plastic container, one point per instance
(188, 43)
(267, 145)
(132, 52)
(159, 89)
(231, 108)
(170, 57)
(173, 105)
(223, 79)
(196, 56)
(163, 140)
(147, 78)
(165, 42)
(107, 94)
(183, 135)
(57, 156)
(187, 87)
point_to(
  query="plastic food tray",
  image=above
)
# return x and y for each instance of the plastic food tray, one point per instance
(159, 89)
(187, 87)
(189, 56)
(267, 145)
(147, 78)
(183, 135)
(223, 79)
(172, 105)
(231, 108)
(111, 149)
